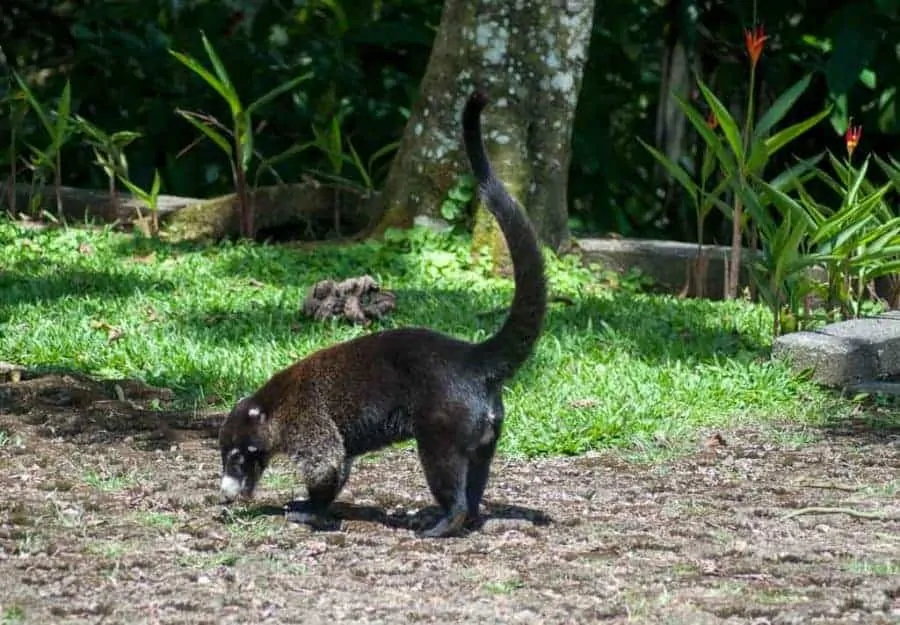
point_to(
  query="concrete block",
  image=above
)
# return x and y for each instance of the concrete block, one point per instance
(847, 352)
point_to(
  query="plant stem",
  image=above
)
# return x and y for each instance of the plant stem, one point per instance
(12, 171)
(57, 183)
(240, 183)
(737, 216)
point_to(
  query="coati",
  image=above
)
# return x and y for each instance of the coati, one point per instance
(393, 385)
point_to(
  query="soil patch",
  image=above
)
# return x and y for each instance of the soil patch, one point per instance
(109, 515)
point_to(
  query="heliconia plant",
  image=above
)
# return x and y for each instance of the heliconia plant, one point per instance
(738, 154)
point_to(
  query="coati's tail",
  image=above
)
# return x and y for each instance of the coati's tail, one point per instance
(506, 351)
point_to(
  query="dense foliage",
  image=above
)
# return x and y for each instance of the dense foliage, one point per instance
(365, 58)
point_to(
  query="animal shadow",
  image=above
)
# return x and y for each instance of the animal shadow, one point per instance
(340, 512)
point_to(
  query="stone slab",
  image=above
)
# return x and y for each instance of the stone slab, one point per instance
(666, 262)
(845, 353)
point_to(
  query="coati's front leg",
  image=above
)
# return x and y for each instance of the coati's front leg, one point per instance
(325, 469)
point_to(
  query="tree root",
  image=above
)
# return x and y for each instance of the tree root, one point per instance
(860, 514)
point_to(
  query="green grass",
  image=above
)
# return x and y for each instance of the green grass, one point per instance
(110, 482)
(158, 520)
(617, 367)
(12, 615)
(876, 568)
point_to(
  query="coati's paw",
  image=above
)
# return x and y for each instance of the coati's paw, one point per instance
(316, 519)
(450, 525)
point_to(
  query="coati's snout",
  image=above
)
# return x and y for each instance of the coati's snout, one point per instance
(244, 456)
(241, 470)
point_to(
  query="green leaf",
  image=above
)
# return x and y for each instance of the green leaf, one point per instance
(201, 71)
(35, 105)
(232, 97)
(884, 269)
(708, 166)
(783, 137)
(62, 117)
(124, 137)
(787, 205)
(288, 153)
(383, 151)
(892, 171)
(277, 91)
(726, 160)
(797, 173)
(755, 208)
(209, 131)
(674, 170)
(154, 190)
(854, 187)
(136, 190)
(780, 107)
(357, 162)
(759, 156)
(726, 122)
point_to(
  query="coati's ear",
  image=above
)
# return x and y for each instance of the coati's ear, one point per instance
(256, 415)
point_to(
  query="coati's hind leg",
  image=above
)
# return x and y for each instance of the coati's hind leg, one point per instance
(446, 472)
(456, 448)
(481, 458)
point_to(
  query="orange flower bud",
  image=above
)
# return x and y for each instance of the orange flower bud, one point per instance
(755, 40)
(851, 137)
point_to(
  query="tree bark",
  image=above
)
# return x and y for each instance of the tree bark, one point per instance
(529, 57)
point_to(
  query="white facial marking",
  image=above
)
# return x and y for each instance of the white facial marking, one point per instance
(233, 452)
(252, 449)
(230, 487)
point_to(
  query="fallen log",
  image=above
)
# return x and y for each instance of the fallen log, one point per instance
(308, 210)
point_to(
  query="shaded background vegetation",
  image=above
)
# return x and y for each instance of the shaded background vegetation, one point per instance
(367, 57)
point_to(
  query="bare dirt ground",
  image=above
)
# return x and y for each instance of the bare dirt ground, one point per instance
(108, 515)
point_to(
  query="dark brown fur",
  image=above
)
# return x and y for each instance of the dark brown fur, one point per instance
(364, 394)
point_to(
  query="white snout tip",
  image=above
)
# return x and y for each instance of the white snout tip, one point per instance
(230, 488)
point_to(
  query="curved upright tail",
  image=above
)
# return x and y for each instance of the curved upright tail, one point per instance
(503, 353)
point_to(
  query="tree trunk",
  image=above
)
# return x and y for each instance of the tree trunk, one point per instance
(528, 56)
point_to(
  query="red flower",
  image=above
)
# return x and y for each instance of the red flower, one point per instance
(755, 40)
(851, 137)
